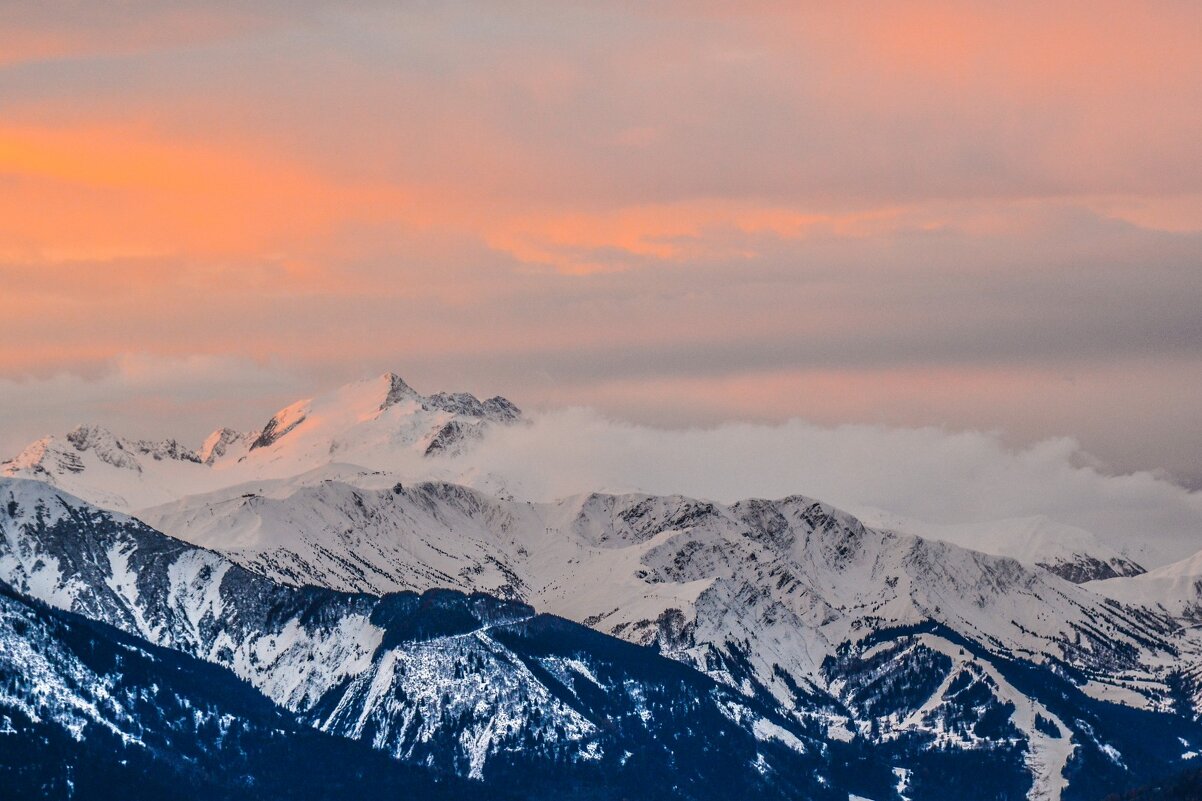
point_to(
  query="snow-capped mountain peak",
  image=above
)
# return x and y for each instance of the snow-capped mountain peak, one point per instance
(398, 391)
(221, 441)
(382, 423)
(374, 420)
(51, 455)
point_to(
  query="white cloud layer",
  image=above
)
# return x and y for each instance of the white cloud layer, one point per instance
(928, 474)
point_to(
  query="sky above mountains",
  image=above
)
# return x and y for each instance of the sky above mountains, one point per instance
(972, 215)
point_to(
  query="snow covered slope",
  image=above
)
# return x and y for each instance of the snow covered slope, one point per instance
(758, 593)
(1175, 588)
(109, 470)
(469, 684)
(832, 644)
(381, 422)
(1068, 551)
(85, 709)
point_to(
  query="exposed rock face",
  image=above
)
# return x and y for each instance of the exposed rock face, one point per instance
(496, 409)
(398, 391)
(452, 438)
(220, 442)
(1085, 568)
(277, 427)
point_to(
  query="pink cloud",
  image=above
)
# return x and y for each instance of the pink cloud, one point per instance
(906, 196)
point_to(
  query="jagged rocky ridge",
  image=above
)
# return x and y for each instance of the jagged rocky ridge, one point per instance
(480, 685)
(86, 709)
(759, 594)
(379, 420)
(1070, 552)
(675, 571)
(466, 684)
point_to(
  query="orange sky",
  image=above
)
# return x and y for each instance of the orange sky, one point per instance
(904, 212)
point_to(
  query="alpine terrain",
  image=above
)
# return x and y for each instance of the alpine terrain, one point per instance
(342, 602)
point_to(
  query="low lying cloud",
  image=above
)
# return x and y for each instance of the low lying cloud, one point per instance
(928, 474)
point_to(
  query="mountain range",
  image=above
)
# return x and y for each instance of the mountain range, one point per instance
(346, 581)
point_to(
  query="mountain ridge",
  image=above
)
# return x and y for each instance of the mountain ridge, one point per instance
(335, 561)
(920, 701)
(445, 679)
(376, 419)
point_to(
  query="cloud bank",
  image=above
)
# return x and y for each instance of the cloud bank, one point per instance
(928, 474)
